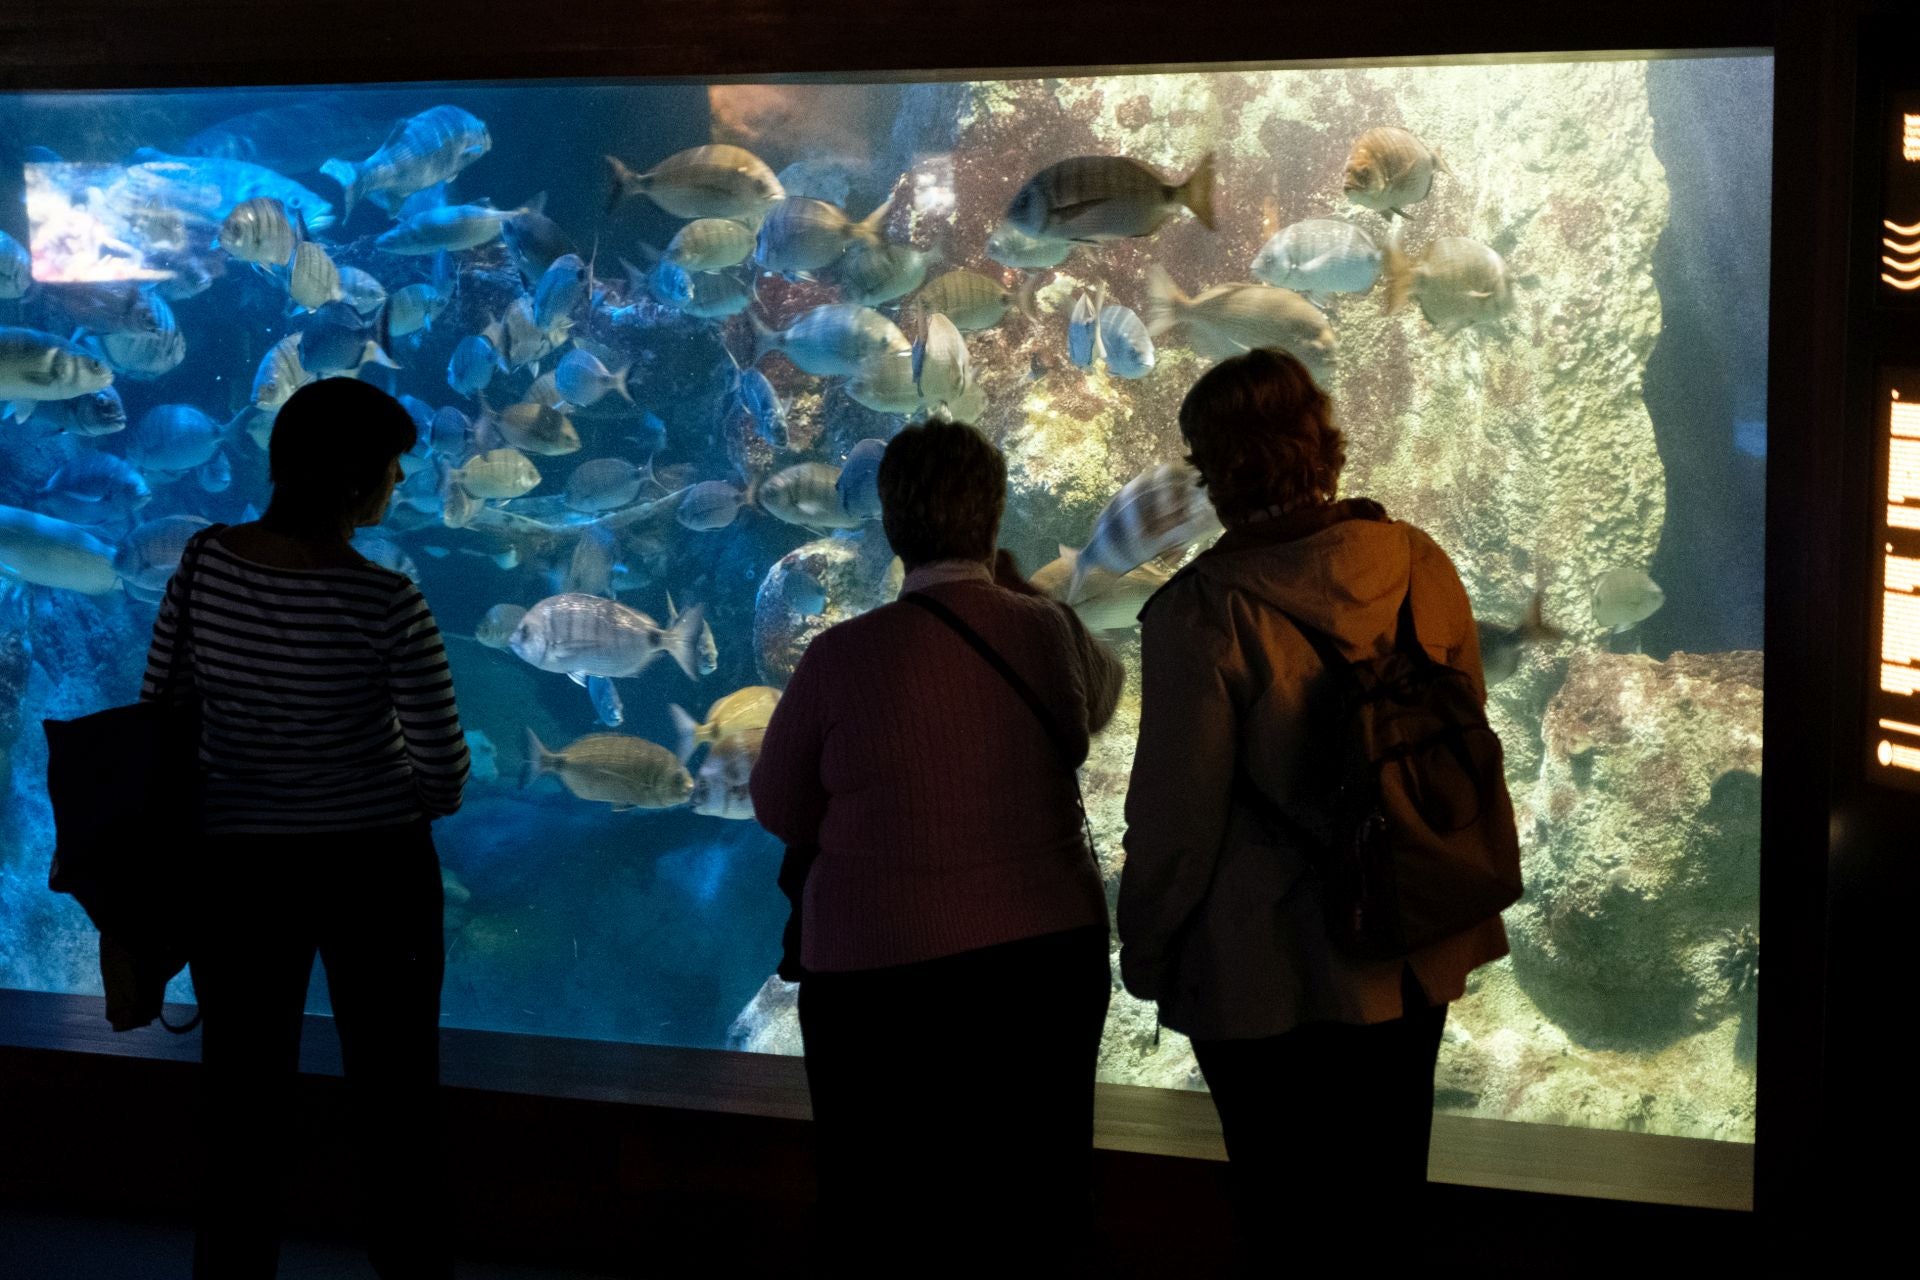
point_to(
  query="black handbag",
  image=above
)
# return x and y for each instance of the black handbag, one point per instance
(800, 857)
(126, 787)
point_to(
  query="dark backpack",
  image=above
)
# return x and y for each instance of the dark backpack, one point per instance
(1416, 841)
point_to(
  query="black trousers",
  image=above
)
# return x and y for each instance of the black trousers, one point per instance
(953, 1109)
(369, 902)
(1326, 1129)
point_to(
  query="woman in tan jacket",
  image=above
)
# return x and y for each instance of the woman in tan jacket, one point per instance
(1321, 1066)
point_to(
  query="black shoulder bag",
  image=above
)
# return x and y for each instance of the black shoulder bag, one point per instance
(799, 858)
(125, 785)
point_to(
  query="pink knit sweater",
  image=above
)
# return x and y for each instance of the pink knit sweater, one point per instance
(944, 816)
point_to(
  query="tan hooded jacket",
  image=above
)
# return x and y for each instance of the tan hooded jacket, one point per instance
(1220, 916)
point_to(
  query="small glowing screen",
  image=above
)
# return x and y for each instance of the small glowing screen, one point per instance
(1894, 723)
(1899, 257)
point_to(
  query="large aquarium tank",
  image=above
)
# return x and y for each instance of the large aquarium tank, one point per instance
(654, 336)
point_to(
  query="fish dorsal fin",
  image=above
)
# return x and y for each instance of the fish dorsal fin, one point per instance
(536, 203)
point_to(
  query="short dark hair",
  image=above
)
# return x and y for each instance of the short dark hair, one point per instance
(332, 443)
(943, 487)
(1261, 434)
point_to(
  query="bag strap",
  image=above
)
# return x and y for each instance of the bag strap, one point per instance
(183, 621)
(1005, 668)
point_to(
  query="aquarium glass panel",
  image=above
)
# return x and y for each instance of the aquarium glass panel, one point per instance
(1537, 293)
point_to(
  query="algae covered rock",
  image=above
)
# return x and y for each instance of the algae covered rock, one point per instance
(814, 586)
(1642, 845)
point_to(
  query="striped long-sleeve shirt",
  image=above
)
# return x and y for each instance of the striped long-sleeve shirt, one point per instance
(326, 702)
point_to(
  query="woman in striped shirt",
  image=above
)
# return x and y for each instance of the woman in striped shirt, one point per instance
(329, 741)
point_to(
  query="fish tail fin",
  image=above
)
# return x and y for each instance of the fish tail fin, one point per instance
(682, 640)
(1079, 563)
(622, 182)
(540, 761)
(765, 339)
(1023, 295)
(1197, 191)
(1164, 301)
(1440, 163)
(686, 729)
(536, 203)
(636, 279)
(1398, 271)
(871, 228)
(347, 174)
(1535, 626)
(620, 388)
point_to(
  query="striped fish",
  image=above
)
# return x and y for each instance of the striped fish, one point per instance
(1159, 510)
(1390, 169)
(422, 151)
(1095, 198)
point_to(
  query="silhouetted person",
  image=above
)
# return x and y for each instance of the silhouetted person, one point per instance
(954, 924)
(1321, 1066)
(329, 741)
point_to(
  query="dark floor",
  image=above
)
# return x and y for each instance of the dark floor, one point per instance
(40, 1245)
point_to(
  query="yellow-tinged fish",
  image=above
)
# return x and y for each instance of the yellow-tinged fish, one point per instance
(614, 769)
(1095, 198)
(1229, 319)
(1457, 282)
(973, 301)
(1625, 598)
(535, 428)
(312, 279)
(722, 789)
(496, 474)
(807, 494)
(711, 244)
(1389, 169)
(739, 712)
(716, 181)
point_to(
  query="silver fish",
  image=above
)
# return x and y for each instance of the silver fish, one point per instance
(884, 383)
(145, 353)
(363, 291)
(594, 636)
(614, 769)
(16, 267)
(1125, 344)
(519, 338)
(495, 475)
(534, 242)
(152, 552)
(711, 504)
(496, 626)
(715, 181)
(413, 308)
(36, 366)
(1389, 169)
(806, 494)
(173, 439)
(1625, 598)
(536, 428)
(1161, 509)
(472, 365)
(973, 301)
(422, 151)
(803, 234)
(562, 288)
(583, 380)
(1232, 318)
(706, 651)
(604, 484)
(95, 488)
(258, 230)
(54, 553)
(722, 788)
(448, 228)
(215, 475)
(99, 414)
(312, 279)
(832, 339)
(590, 570)
(1009, 246)
(859, 480)
(1320, 255)
(280, 374)
(873, 272)
(711, 244)
(942, 368)
(1096, 198)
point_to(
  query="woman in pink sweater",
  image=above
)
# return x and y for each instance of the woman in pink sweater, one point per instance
(953, 925)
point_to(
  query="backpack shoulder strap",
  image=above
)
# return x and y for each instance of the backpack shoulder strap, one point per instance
(993, 659)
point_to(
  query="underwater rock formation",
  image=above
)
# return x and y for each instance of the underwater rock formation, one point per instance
(1641, 839)
(814, 586)
(771, 1021)
(1524, 449)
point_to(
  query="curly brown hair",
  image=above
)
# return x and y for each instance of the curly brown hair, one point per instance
(1261, 434)
(943, 489)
